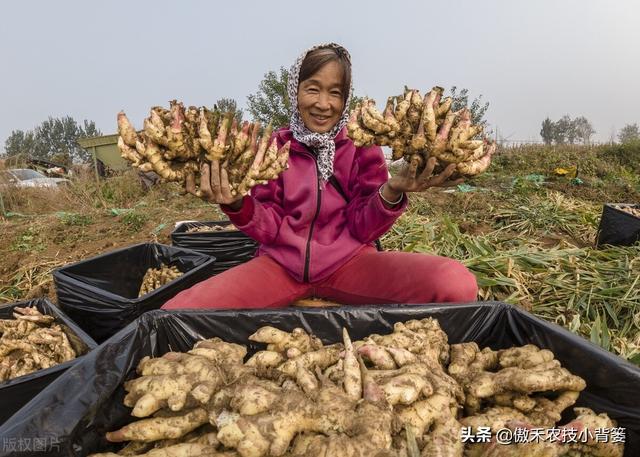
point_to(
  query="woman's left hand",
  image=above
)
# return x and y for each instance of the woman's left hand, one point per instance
(407, 181)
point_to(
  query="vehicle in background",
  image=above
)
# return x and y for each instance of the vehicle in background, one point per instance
(46, 167)
(24, 177)
(49, 169)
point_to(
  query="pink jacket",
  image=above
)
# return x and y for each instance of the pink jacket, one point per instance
(311, 231)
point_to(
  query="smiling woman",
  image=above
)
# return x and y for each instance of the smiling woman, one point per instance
(316, 223)
(323, 89)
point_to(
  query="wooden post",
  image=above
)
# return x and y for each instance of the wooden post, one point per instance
(95, 165)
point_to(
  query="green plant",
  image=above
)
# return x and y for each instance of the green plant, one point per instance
(74, 218)
(29, 240)
(134, 220)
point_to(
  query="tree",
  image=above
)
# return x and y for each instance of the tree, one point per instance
(629, 133)
(354, 101)
(229, 104)
(559, 132)
(53, 137)
(271, 102)
(477, 108)
(19, 142)
(567, 130)
(547, 131)
(583, 129)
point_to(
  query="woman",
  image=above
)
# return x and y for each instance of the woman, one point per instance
(315, 239)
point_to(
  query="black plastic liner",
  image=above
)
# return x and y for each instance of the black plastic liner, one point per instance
(618, 227)
(229, 247)
(101, 293)
(17, 392)
(81, 406)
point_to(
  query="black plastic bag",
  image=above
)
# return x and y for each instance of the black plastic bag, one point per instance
(17, 392)
(229, 247)
(618, 227)
(101, 293)
(89, 397)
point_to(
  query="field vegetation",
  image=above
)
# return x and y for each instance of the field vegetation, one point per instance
(526, 232)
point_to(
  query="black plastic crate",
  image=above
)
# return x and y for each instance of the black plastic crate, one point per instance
(229, 247)
(618, 227)
(17, 392)
(101, 293)
(90, 395)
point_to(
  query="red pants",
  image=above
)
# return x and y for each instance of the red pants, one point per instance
(370, 277)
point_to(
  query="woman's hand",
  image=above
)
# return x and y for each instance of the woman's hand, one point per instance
(214, 185)
(407, 181)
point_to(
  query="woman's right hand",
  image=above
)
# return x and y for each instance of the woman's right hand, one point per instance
(214, 185)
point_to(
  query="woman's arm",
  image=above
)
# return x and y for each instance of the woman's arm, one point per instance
(367, 215)
(259, 214)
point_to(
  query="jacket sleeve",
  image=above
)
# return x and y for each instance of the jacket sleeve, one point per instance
(261, 213)
(368, 218)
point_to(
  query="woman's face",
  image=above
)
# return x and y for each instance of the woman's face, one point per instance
(321, 98)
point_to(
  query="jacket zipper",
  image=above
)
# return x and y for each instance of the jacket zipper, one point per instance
(307, 256)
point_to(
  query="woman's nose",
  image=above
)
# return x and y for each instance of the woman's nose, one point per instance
(323, 102)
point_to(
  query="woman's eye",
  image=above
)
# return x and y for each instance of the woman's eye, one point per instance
(312, 90)
(336, 93)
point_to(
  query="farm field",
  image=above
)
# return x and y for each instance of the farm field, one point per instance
(527, 233)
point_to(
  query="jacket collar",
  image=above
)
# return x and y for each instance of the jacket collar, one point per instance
(285, 134)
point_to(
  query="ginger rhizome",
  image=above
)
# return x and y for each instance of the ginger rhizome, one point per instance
(158, 277)
(212, 228)
(404, 394)
(30, 342)
(634, 210)
(416, 128)
(176, 142)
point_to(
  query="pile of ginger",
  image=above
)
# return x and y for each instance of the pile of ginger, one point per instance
(404, 394)
(417, 128)
(176, 142)
(155, 278)
(634, 210)
(31, 341)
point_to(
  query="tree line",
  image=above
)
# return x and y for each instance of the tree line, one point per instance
(579, 130)
(56, 139)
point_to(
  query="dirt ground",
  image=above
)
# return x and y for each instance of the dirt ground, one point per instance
(35, 241)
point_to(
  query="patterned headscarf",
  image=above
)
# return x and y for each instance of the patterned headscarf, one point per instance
(322, 143)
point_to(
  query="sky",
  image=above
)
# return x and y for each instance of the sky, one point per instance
(528, 59)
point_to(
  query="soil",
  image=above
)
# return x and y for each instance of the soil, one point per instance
(33, 244)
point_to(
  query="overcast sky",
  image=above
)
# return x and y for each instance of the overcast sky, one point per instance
(529, 59)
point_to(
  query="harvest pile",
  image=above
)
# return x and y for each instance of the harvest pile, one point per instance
(158, 277)
(633, 210)
(212, 228)
(417, 128)
(176, 142)
(31, 342)
(407, 393)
